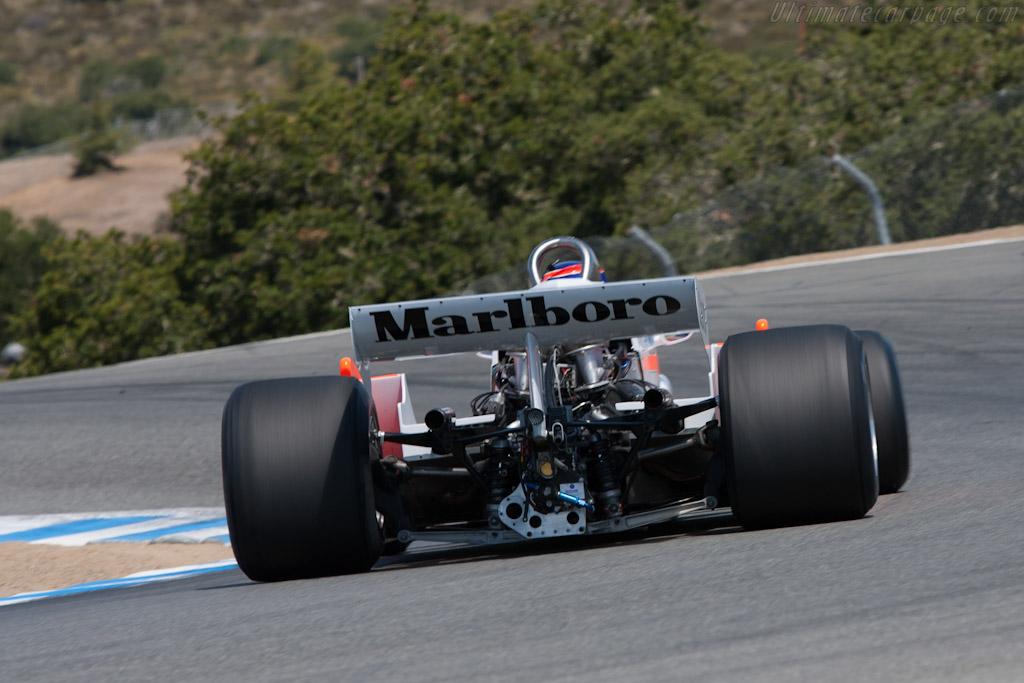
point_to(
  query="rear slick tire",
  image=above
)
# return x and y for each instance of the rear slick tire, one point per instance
(890, 415)
(296, 458)
(796, 430)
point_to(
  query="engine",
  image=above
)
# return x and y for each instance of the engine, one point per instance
(568, 468)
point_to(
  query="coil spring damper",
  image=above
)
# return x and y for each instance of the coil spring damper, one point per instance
(499, 481)
(605, 484)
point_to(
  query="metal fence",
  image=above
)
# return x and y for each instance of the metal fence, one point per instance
(173, 123)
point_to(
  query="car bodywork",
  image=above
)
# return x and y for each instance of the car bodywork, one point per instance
(579, 433)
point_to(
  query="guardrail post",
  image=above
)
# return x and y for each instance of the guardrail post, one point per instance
(876, 197)
(661, 252)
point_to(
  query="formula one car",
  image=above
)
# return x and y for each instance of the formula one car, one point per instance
(578, 434)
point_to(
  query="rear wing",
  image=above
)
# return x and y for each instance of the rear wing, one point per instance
(582, 314)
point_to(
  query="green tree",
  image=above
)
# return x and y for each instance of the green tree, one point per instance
(149, 70)
(95, 148)
(308, 69)
(22, 264)
(33, 125)
(105, 300)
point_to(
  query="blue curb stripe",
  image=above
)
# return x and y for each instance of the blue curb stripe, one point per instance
(68, 528)
(168, 531)
(117, 583)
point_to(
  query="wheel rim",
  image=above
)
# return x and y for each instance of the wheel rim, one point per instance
(871, 427)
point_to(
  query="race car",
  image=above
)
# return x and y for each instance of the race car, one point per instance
(577, 434)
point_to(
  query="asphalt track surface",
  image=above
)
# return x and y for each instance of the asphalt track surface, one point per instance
(929, 587)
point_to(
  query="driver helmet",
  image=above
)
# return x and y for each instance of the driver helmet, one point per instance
(568, 270)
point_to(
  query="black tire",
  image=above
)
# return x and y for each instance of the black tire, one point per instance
(890, 415)
(795, 426)
(298, 490)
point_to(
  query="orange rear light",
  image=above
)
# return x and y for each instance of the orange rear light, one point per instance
(347, 368)
(651, 363)
(761, 325)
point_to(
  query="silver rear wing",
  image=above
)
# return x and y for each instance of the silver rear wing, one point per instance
(580, 314)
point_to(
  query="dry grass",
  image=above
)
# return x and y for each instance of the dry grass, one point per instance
(133, 199)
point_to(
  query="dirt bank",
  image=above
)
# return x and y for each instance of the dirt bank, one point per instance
(132, 199)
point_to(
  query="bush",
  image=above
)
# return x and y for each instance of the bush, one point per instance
(308, 69)
(361, 38)
(34, 125)
(150, 71)
(95, 76)
(102, 78)
(276, 49)
(105, 300)
(142, 104)
(8, 73)
(95, 148)
(22, 264)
